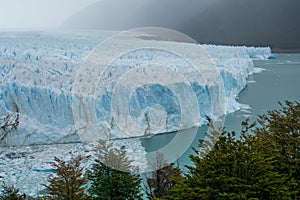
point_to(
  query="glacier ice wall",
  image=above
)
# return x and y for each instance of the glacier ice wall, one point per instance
(37, 73)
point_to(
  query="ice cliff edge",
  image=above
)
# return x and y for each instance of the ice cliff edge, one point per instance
(37, 74)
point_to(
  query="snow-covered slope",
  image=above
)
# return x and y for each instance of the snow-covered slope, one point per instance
(38, 71)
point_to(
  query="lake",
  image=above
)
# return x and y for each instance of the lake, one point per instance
(279, 81)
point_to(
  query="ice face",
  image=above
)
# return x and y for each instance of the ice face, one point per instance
(38, 73)
(38, 70)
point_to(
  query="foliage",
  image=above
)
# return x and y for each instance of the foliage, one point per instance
(68, 183)
(9, 123)
(279, 133)
(112, 176)
(262, 164)
(211, 137)
(160, 181)
(10, 193)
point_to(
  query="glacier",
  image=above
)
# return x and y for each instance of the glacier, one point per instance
(37, 77)
(39, 73)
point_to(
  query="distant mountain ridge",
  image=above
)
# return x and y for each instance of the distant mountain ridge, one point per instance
(274, 23)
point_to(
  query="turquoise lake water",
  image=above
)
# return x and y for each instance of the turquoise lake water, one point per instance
(279, 81)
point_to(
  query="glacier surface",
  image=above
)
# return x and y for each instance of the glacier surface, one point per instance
(38, 70)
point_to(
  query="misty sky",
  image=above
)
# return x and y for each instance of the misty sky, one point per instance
(38, 14)
(273, 23)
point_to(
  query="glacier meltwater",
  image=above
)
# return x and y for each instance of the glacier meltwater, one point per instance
(38, 70)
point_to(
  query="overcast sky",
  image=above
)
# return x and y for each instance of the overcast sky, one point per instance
(38, 14)
(272, 23)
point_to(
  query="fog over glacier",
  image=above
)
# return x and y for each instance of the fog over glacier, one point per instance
(273, 23)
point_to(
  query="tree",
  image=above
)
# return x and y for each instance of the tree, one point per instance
(9, 123)
(160, 181)
(232, 170)
(262, 164)
(10, 193)
(279, 133)
(69, 182)
(211, 137)
(112, 176)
